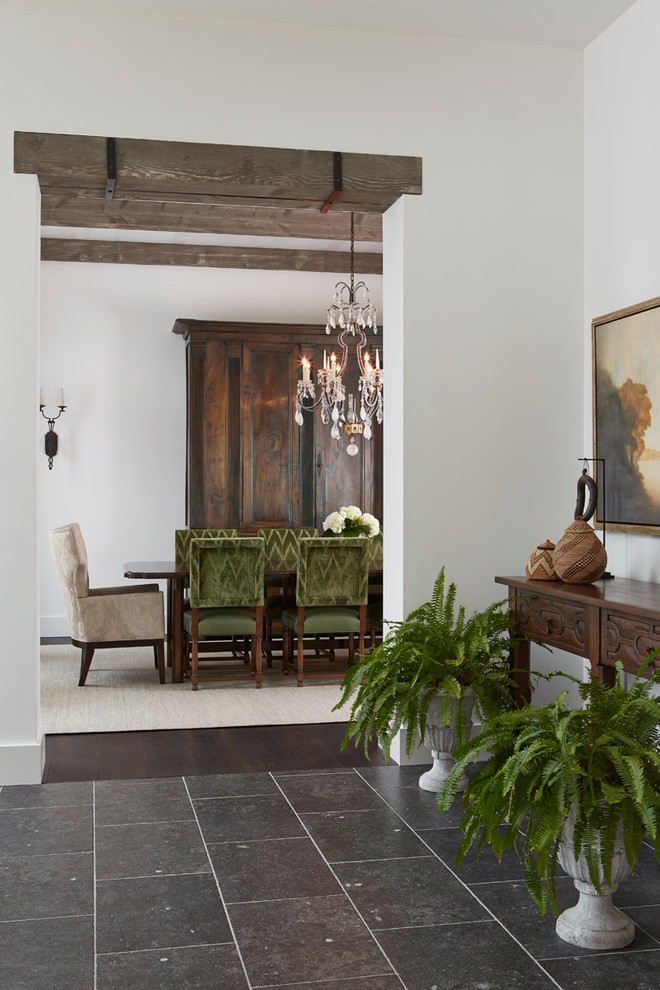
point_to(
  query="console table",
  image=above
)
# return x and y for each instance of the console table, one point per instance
(606, 621)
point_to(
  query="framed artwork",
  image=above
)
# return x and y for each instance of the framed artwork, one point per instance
(626, 413)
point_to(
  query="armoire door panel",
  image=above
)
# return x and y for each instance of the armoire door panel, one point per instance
(270, 437)
(215, 436)
(341, 479)
(206, 433)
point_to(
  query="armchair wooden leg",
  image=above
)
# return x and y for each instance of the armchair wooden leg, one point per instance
(87, 652)
(159, 653)
(351, 648)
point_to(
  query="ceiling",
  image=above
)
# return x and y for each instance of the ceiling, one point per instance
(567, 23)
(196, 216)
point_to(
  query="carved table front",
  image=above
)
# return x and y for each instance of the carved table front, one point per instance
(617, 619)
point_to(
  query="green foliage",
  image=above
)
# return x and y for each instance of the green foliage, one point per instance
(435, 649)
(600, 762)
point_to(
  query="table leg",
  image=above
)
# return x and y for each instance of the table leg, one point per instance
(520, 669)
(177, 630)
(168, 640)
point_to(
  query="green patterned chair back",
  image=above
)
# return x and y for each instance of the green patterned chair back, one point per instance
(226, 573)
(375, 552)
(282, 547)
(332, 571)
(182, 538)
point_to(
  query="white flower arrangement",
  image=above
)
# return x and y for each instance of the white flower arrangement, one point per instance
(350, 520)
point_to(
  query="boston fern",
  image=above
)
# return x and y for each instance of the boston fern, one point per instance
(600, 763)
(435, 649)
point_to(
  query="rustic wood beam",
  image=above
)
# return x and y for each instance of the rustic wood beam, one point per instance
(204, 256)
(296, 176)
(59, 210)
(186, 198)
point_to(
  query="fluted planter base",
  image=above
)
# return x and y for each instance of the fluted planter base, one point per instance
(594, 922)
(441, 740)
(434, 778)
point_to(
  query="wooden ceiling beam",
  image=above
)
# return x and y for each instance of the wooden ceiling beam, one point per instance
(205, 256)
(188, 199)
(59, 210)
(295, 176)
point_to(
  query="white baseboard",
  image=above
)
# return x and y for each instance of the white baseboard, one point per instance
(419, 756)
(22, 763)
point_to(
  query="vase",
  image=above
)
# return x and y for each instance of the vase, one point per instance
(594, 922)
(441, 740)
(579, 557)
(540, 565)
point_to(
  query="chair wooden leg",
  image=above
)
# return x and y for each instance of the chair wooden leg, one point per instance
(194, 676)
(257, 645)
(268, 640)
(301, 646)
(351, 648)
(363, 629)
(159, 653)
(87, 652)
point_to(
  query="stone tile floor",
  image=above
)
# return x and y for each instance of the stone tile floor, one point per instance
(337, 880)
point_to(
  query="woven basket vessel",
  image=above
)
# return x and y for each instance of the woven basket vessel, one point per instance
(579, 557)
(540, 565)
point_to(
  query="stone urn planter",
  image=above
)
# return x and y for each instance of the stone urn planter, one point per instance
(441, 740)
(594, 922)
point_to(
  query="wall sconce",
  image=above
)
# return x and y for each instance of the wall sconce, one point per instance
(51, 440)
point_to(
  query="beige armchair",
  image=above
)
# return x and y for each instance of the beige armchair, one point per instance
(103, 618)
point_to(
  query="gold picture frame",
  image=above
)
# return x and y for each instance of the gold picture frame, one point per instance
(626, 417)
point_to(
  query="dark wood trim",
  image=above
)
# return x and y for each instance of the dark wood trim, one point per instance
(206, 256)
(205, 330)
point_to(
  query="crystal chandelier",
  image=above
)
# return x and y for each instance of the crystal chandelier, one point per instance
(352, 314)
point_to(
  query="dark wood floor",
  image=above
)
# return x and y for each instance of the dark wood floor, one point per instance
(123, 755)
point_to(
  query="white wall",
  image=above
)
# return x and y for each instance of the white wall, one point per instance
(106, 339)
(622, 206)
(489, 320)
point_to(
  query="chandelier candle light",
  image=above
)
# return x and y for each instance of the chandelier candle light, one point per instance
(353, 314)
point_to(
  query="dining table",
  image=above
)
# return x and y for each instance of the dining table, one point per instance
(176, 584)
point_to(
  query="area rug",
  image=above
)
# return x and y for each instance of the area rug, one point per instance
(123, 694)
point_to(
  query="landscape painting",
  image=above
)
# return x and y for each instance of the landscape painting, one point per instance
(626, 369)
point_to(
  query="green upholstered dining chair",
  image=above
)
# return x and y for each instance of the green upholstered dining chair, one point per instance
(281, 555)
(375, 602)
(182, 538)
(226, 601)
(331, 600)
(282, 547)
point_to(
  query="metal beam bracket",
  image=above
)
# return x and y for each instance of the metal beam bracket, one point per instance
(337, 190)
(111, 155)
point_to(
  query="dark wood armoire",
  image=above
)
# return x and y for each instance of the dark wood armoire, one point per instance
(248, 464)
